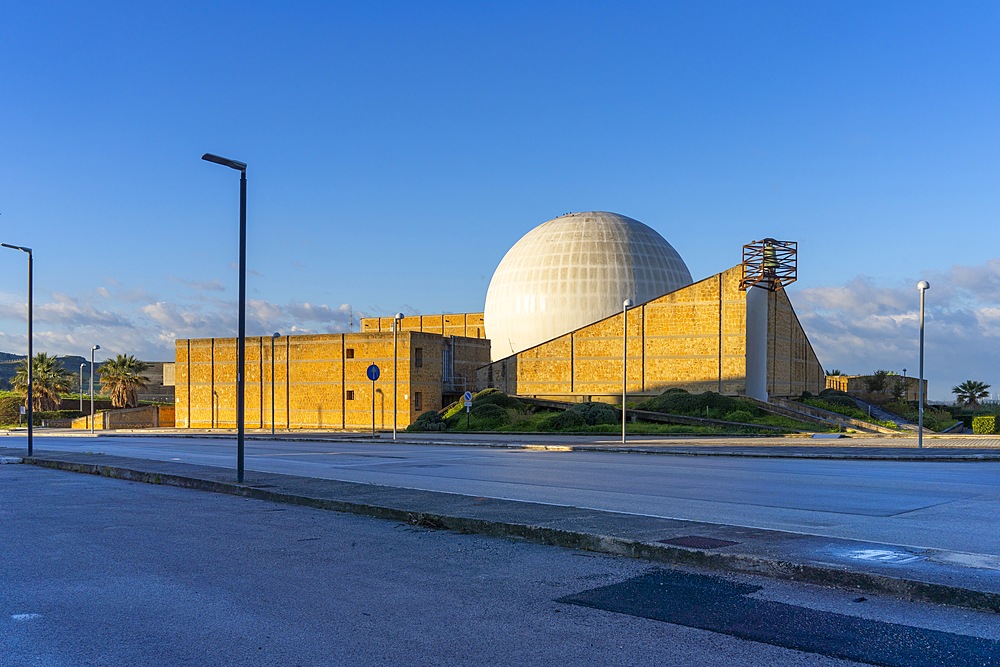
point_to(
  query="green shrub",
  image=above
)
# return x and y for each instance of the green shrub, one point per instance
(482, 417)
(833, 404)
(936, 419)
(984, 425)
(564, 421)
(496, 397)
(451, 410)
(597, 413)
(10, 408)
(428, 421)
(742, 416)
(708, 404)
(834, 397)
(489, 412)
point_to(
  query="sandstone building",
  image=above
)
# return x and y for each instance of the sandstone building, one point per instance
(553, 327)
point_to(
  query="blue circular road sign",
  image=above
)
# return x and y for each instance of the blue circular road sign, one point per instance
(373, 372)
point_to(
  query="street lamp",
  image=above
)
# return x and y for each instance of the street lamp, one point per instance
(625, 306)
(81, 385)
(31, 369)
(395, 368)
(240, 343)
(923, 286)
(273, 336)
(92, 350)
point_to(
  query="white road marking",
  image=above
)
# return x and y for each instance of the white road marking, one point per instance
(24, 617)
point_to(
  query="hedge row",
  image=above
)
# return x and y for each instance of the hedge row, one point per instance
(984, 425)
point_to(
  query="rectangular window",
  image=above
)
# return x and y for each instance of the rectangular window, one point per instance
(418, 401)
(418, 357)
(350, 394)
(349, 353)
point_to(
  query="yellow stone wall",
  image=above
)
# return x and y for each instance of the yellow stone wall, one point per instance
(858, 384)
(693, 338)
(469, 325)
(792, 365)
(320, 381)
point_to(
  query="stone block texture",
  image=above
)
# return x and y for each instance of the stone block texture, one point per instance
(320, 381)
(693, 338)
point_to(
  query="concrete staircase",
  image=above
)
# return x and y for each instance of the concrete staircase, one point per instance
(809, 414)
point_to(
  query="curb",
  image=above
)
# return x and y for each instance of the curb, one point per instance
(534, 531)
(765, 451)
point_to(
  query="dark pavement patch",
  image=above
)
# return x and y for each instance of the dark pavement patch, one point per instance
(719, 605)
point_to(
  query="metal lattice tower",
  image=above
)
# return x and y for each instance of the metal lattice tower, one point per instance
(769, 264)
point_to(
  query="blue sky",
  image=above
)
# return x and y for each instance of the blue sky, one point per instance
(396, 150)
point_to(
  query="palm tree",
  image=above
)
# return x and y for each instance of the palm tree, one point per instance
(121, 379)
(971, 392)
(48, 380)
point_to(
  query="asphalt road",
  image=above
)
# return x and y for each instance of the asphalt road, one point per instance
(98, 571)
(947, 506)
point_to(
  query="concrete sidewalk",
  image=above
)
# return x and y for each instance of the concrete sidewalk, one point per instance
(968, 580)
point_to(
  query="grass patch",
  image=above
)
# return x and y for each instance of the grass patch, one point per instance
(494, 411)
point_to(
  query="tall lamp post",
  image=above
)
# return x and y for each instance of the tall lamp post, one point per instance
(31, 370)
(92, 350)
(273, 337)
(923, 286)
(625, 306)
(81, 385)
(395, 368)
(240, 342)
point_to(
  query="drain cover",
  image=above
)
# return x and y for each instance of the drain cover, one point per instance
(883, 556)
(698, 542)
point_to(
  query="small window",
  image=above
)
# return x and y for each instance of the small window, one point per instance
(418, 401)
(418, 357)
(350, 394)
(349, 353)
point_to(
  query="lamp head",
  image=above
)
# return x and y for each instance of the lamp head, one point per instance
(276, 335)
(16, 247)
(95, 348)
(225, 162)
(627, 303)
(922, 285)
(397, 316)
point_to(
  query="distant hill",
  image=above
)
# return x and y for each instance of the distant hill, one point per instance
(9, 362)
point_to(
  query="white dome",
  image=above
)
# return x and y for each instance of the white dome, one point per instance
(572, 271)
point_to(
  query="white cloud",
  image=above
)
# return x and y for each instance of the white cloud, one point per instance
(860, 327)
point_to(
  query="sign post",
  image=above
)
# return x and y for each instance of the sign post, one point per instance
(373, 374)
(468, 407)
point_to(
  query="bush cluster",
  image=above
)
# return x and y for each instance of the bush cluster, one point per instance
(566, 420)
(10, 408)
(582, 415)
(934, 418)
(985, 424)
(742, 416)
(428, 421)
(835, 397)
(488, 415)
(709, 404)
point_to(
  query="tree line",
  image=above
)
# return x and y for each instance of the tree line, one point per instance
(121, 379)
